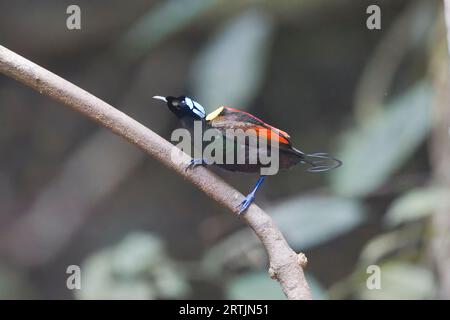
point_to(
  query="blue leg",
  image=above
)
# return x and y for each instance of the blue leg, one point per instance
(194, 163)
(249, 198)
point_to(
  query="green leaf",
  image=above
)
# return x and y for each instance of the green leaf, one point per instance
(309, 221)
(230, 69)
(254, 285)
(373, 152)
(165, 19)
(137, 268)
(415, 205)
(304, 221)
(258, 285)
(401, 280)
(387, 243)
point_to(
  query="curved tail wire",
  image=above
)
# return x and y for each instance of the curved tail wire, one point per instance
(325, 162)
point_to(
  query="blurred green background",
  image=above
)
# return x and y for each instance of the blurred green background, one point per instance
(74, 193)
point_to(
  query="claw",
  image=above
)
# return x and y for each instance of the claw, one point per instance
(246, 203)
(250, 197)
(194, 163)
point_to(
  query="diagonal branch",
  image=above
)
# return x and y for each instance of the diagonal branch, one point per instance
(285, 265)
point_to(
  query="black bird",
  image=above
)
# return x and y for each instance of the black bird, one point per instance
(225, 118)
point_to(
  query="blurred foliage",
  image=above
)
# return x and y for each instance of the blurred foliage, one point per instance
(372, 152)
(297, 64)
(223, 75)
(305, 222)
(257, 285)
(310, 221)
(416, 204)
(13, 285)
(403, 242)
(401, 281)
(137, 268)
(159, 23)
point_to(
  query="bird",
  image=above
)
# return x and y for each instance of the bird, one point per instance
(224, 118)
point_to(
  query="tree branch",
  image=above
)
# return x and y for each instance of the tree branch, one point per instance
(285, 265)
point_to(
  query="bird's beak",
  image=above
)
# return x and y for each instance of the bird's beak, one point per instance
(160, 98)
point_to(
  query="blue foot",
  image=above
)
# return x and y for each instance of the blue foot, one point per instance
(194, 163)
(249, 199)
(246, 203)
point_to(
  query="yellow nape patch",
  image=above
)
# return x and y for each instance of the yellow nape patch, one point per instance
(214, 114)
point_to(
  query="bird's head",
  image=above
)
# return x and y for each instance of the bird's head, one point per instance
(183, 106)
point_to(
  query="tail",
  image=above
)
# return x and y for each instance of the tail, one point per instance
(325, 162)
